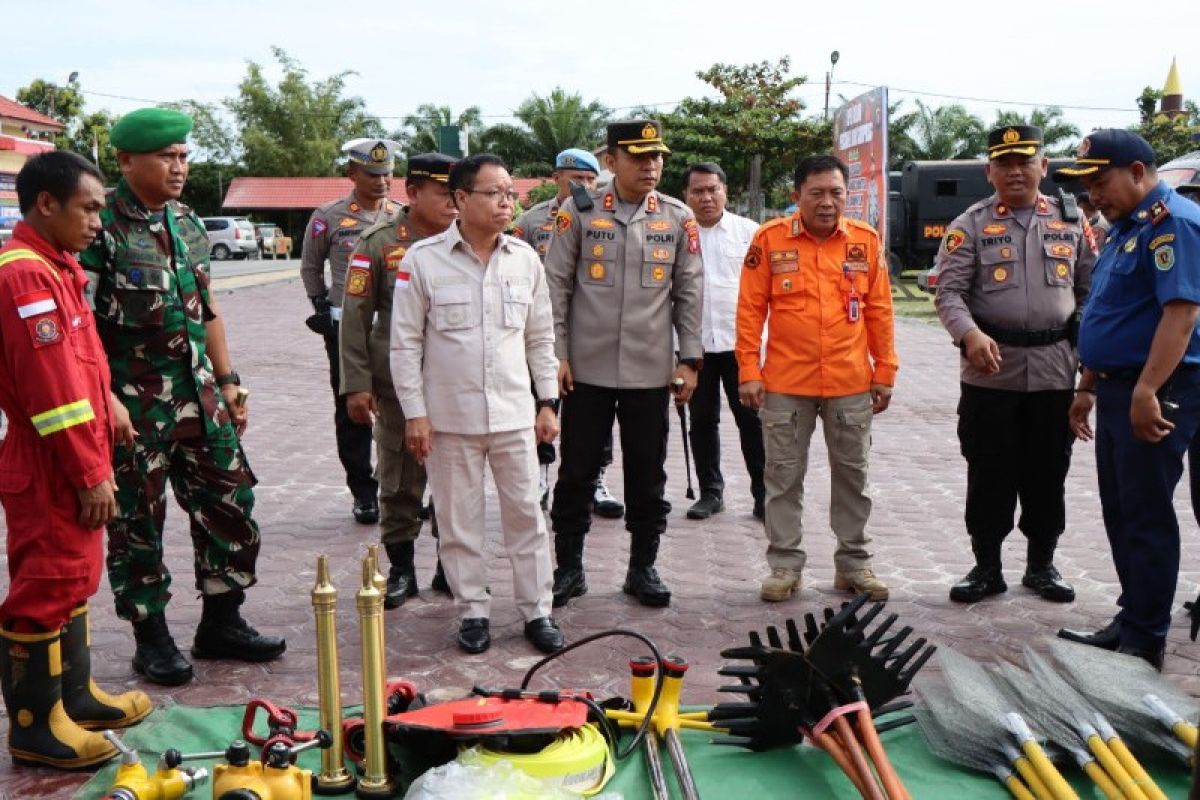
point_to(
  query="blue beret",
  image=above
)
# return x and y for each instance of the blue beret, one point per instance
(574, 158)
(150, 129)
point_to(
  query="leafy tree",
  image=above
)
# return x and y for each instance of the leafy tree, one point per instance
(295, 128)
(419, 130)
(63, 103)
(1170, 138)
(543, 191)
(938, 134)
(551, 124)
(89, 137)
(1058, 134)
(756, 118)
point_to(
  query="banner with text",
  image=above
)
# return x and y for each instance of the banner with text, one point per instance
(860, 140)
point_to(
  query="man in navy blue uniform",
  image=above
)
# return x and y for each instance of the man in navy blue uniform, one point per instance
(1140, 350)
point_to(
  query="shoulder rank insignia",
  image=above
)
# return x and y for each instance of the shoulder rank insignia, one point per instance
(608, 201)
(354, 208)
(402, 232)
(652, 203)
(795, 226)
(1042, 206)
(1158, 212)
(1000, 210)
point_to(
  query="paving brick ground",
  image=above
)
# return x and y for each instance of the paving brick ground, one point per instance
(713, 567)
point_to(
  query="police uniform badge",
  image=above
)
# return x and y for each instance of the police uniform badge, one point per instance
(1000, 274)
(395, 257)
(995, 229)
(597, 250)
(658, 274)
(319, 226)
(656, 225)
(596, 271)
(1130, 246)
(357, 280)
(652, 204)
(562, 222)
(954, 240)
(379, 153)
(1062, 270)
(1011, 136)
(659, 254)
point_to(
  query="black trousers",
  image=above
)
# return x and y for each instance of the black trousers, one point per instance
(353, 439)
(1018, 447)
(721, 371)
(587, 421)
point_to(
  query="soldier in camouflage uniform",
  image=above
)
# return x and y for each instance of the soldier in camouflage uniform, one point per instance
(332, 233)
(366, 371)
(166, 344)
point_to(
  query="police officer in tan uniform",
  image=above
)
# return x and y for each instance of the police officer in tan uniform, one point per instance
(622, 274)
(1013, 273)
(332, 232)
(374, 268)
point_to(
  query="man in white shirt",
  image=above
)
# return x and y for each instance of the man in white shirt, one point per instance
(471, 322)
(724, 239)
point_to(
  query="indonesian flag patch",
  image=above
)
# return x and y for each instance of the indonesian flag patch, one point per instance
(34, 303)
(402, 279)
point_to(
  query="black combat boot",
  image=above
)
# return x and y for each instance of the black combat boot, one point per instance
(642, 579)
(986, 578)
(87, 704)
(222, 633)
(569, 580)
(402, 574)
(157, 658)
(39, 731)
(1040, 574)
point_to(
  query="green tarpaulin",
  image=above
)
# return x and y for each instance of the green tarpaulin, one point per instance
(721, 772)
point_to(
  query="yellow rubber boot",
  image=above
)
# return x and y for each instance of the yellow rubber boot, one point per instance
(86, 703)
(40, 733)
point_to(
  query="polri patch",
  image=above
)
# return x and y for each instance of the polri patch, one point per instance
(562, 222)
(954, 240)
(1164, 257)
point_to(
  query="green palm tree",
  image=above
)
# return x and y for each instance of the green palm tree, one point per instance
(939, 134)
(561, 120)
(419, 130)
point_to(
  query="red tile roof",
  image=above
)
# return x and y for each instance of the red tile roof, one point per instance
(14, 110)
(306, 193)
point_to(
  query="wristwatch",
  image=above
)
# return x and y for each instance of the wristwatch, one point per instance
(695, 363)
(230, 378)
(551, 404)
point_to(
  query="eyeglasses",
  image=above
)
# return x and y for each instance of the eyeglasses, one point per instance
(496, 194)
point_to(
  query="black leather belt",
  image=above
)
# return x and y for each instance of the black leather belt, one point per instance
(1025, 338)
(1131, 374)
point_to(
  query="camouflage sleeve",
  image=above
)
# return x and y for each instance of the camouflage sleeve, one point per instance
(560, 273)
(358, 315)
(687, 290)
(315, 250)
(955, 269)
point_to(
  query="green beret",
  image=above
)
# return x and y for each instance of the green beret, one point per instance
(150, 129)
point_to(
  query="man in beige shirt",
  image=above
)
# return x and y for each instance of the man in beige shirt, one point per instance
(471, 323)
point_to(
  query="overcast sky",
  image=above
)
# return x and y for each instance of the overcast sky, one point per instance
(1091, 58)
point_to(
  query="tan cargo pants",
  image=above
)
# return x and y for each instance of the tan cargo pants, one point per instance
(788, 422)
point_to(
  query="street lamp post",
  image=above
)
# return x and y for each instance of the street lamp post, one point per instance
(833, 59)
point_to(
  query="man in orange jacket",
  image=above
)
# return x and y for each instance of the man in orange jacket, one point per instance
(830, 354)
(55, 472)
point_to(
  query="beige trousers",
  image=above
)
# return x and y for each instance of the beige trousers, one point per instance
(456, 480)
(788, 422)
